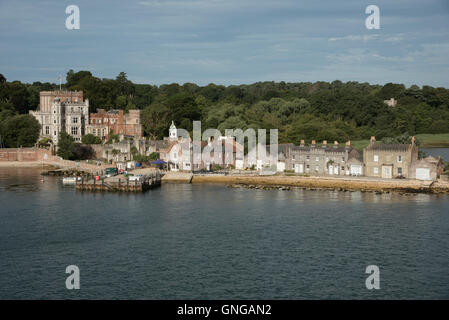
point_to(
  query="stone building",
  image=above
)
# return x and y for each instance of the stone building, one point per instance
(319, 160)
(389, 160)
(428, 168)
(103, 122)
(392, 102)
(62, 111)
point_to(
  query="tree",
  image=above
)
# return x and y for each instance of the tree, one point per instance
(154, 156)
(20, 131)
(2, 79)
(90, 139)
(66, 145)
(82, 152)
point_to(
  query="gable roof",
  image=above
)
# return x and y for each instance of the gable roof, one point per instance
(388, 147)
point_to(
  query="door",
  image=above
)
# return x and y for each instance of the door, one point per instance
(301, 168)
(336, 170)
(331, 169)
(423, 173)
(387, 172)
(296, 168)
(356, 170)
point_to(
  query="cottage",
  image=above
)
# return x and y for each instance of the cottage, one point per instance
(389, 160)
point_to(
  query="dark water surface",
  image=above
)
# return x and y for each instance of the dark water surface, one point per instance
(437, 152)
(213, 242)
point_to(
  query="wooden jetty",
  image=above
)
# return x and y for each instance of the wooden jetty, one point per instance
(120, 183)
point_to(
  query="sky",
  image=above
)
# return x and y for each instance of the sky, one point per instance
(227, 41)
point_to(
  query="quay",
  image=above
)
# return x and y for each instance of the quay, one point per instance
(120, 184)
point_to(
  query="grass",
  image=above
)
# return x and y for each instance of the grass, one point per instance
(359, 144)
(433, 140)
(427, 140)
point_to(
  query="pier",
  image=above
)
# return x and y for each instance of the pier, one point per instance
(120, 183)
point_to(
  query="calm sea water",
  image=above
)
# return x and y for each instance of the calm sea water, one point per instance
(212, 242)
(437, 152)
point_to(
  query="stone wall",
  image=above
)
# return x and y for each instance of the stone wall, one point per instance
(23, 154)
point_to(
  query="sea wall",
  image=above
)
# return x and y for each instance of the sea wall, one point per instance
(23, 154)
(361, 184)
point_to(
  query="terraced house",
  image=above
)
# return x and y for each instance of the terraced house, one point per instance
(389, 160)
(324, 159)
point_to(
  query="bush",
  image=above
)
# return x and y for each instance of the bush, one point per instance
(90, 139)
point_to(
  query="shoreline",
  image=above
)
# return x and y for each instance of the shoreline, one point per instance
(25, 164)
(341, 184)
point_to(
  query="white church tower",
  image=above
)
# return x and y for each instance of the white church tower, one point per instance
(173, 132)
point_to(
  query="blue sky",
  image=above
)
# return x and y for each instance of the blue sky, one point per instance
(228, 41)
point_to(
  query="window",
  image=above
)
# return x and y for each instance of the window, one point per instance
(75, 131)
(47, 130)
(399, 170)
(54, 121)
(399, 159)
(54, 133)
(317, 168)
(293, 157)
(376, 170)
(342, 159)
(376, 158)
(317, 159)
(308, 158)
(308, 167)
(94, 132)
(75, 120)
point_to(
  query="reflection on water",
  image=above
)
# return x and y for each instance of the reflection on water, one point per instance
(210, 241)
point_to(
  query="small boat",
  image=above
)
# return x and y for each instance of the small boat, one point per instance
(70, 180)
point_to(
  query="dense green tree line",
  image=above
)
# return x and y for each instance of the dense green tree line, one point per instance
(303, 110)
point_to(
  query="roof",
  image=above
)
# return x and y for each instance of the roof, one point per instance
(159, 144)
(326, 149)
(388, 147)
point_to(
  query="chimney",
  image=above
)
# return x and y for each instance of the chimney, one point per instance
(413, 140)
(335, 144)
(313, 143)
(348, 144)
(324, 144)
(302, 143)
(372, 140)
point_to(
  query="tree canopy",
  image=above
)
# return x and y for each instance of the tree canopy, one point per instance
(302, 110)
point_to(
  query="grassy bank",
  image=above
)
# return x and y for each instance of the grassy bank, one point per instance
(433, 140)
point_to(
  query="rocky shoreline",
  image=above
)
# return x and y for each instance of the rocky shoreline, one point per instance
(379, 186)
